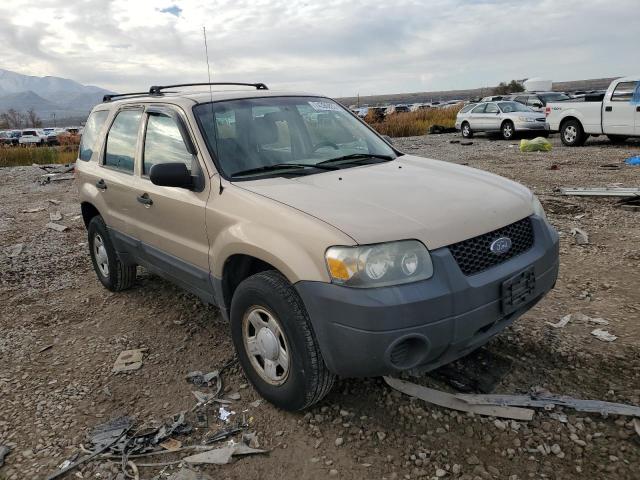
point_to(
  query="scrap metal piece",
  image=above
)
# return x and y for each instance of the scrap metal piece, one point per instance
(56, 226)
(55, 216)
(581, 237)
(545, 399)
(603, 335)
(128, 360)
(187, 474)
(601, 191)
(14, 250)
(457, 402)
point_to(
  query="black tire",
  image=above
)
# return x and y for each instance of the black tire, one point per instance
(465, 128)
(572, 133)
(507, 130)
(118, 276)
(308, 380)
(617, 138)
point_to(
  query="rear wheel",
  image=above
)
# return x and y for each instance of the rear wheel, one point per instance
(572, 134)
(466, 130)
(112, 273)
(275, 343)
(507, 130)
(617, 138)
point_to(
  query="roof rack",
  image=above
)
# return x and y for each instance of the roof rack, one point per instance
(157, 89)
(111, 96)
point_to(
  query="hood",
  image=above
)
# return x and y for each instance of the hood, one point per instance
(438, 203)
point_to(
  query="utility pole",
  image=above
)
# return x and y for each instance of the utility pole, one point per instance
(54, 119)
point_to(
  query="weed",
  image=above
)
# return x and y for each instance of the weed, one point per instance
(415, 123)
(20, 156)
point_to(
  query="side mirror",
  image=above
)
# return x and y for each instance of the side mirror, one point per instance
(171, 175)
(387, 139)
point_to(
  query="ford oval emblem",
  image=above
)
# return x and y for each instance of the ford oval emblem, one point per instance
(500, 246)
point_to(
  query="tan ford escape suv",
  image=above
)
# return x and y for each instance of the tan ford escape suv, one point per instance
(329, 251)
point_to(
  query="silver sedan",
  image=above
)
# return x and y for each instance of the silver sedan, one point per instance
(505, 117)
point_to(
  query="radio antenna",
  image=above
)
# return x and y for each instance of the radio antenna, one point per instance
(213, 122)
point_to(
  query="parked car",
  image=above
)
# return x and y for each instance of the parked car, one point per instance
(329, 251)
(538, 100)
(617, 115)
(506, 117)
(32, 136)
(9, 138)
(391, 109)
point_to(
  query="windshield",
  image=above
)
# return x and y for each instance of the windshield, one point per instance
(250, 134)
(554, 97)
(508, 107)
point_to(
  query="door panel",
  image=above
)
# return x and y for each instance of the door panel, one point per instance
(619, 111)
(491, 117)
(476, 117)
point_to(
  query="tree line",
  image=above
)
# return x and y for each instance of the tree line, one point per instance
(14, 119)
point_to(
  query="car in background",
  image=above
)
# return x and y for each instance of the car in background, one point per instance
(538, 100)
(32, 136)
(391, 109)
(9, 137)
(492, 98)
(506, 117)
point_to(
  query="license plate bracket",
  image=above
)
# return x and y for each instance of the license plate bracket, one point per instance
(518, 290)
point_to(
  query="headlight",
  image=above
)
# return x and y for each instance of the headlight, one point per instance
(379, 265)
(537, 207)
(526, 119)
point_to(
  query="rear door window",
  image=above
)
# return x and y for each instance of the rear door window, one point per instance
(122, 139)
(623, 92)
(163, 143)
(491, 108)
(479, 109)
(90, 134)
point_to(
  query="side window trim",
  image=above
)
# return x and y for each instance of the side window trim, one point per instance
(103, 153)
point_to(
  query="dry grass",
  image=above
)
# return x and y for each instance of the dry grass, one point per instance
(415, 123)
(20, 156)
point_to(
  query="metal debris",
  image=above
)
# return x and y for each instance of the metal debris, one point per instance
(4, 451)
(581, 237)
(53, 201)
(579, 317)
(33, 210)
(187, 474)
(562, 323)
(457, 402)
(56, 226)
(171, 444)
(603, 335)
(55, 177)
(631, 204)
(205, 398)
(601, 191)
(55, 216)
(224, 414)
(128, 360)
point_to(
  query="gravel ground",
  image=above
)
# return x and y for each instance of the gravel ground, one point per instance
(61, 333)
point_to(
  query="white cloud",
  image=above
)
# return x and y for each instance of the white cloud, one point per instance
(337, 47)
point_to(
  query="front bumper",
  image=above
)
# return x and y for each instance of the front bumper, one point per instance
(372, 332)
(531, 126)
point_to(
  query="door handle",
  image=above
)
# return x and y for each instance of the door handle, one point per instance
(101, 184)
(608, 109)
(145, 200)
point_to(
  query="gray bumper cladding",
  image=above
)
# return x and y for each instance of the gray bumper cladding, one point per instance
(423, 325)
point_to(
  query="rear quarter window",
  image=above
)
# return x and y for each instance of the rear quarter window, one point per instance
(90, 135)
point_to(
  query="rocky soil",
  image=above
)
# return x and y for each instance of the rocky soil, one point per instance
(62, 331)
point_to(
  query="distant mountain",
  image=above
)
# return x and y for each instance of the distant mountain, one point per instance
(47, 95)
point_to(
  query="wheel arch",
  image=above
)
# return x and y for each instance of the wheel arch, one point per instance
(88, 212)
(568, 118)
(237, 268)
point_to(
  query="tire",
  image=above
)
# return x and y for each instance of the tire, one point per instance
(617, 138)
(507, 130)
(465, 128)
(111, 272)
(572, 133)
(267, 302)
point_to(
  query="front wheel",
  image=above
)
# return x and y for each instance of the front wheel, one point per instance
(275, 342)
(507, 130)
(112, 273)
(572, 134)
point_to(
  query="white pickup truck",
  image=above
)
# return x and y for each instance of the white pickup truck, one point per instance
(617, 115)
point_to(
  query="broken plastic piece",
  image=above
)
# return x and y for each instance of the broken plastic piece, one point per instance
(224, 414)
(128, 360)
(603, 335)
(457, 402)
(223, 455)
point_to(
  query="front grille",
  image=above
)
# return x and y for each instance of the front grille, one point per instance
(474, 255)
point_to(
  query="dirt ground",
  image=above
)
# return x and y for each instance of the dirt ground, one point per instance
(50, 398)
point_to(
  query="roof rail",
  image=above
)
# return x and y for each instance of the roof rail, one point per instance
(111, 96)
(157, 89)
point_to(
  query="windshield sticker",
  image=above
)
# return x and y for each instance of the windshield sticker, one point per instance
(325, 106)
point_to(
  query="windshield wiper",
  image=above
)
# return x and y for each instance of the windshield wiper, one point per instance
(281, 166)
(357, 157)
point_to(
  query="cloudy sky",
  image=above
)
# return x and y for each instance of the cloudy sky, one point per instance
(334, 47)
